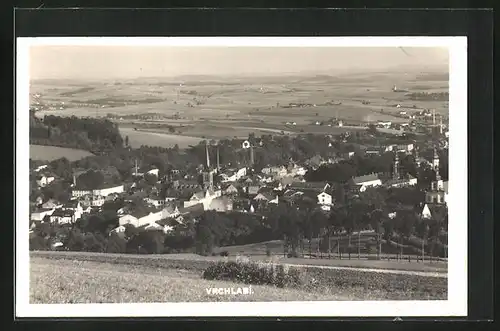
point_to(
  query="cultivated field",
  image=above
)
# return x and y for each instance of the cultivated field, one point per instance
(49, 153)
(235, 107)
(78, 277)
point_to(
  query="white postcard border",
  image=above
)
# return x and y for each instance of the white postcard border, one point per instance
(456, 305)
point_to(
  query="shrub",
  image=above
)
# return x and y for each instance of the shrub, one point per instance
(268, 252)
(254, 273)
(292, 254)
(224, 253)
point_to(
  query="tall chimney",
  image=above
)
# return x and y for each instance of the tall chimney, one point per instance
(251, 155)
(218, 159)
(208, 156)
(396, 167)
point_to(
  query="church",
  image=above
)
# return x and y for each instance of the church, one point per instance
(209, 192)
(438, 194)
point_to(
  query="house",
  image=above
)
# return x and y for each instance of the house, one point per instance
(155, 201)
(266, 197)
(234, 175)
(150, 219)
(76, 193)
(230, 190)
(154, 172)
(108, 190)
(40, 214)
(435, 211)
(221, 204)
(193, 210)
(128, 219)
(383, 124)
(61, 216)
(74, 206)
(287, 180)
(118, 229)
(297, 170)
(51, 204)
(372, 152)
(186, 184)
(203, 197)
(310, 186)
(38, 169)
(363, 182)
(324, 199)
(402, 182)
(406, 148)
(170, 212)
(43, 180)
(252, 190)
(92, 201)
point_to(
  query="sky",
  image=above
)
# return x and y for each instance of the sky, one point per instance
(128, 62)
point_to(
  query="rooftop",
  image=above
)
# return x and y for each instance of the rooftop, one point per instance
(365, 178)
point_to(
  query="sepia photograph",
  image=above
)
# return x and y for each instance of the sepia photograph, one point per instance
(258, 173)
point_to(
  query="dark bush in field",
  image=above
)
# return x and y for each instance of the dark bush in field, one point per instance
(224, 253)
(254, 273)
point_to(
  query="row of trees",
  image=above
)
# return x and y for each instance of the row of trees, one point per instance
(95, 135)
(294, 223)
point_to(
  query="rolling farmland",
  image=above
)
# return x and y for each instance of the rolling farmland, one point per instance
(218, 109)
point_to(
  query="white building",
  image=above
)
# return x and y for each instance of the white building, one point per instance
(363, 182)
(43, 181)
(40, 214)
(41, 168)
(170, 212)
(107, 191)
(128, 219)
(155, 201)
(99, 192)
(154, 172)
(324, 199)
(203, 197)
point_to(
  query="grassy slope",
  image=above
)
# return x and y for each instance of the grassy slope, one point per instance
(49, 153)
(65, 281)
(92, 277)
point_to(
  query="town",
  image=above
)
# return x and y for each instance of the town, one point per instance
(361, 192)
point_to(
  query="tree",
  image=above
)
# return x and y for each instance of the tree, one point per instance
(422, 230)
(116, 244)
(372, 129)
(126, 141)
(90, 180)
(377, 221)
(75, 241)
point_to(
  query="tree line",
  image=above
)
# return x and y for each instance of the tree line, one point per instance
(91, 134)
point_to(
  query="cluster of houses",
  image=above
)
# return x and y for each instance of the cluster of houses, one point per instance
(240, 190)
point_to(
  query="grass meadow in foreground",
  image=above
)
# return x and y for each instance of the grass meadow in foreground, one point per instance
(79, 279)
(71, 281)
